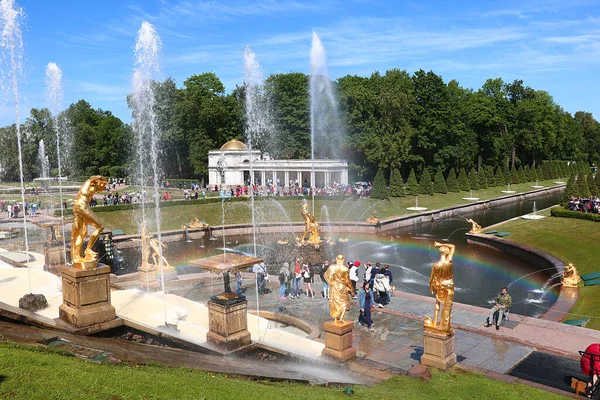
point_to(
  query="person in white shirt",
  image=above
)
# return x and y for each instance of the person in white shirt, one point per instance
(354, 275)
(381, 287)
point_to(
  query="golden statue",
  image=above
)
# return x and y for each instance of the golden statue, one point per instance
(155, 245)
(570, 278)
(310, 226)
(373, 218)
(475, 227)
(441, 282)
(145, 239)
(84, 216)
(196, 224)
(338, 278)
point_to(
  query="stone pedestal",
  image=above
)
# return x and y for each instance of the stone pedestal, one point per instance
(149, 275)
(228, 325)
(438, 350)
(338, 340)
(54, 257)
(86, 296)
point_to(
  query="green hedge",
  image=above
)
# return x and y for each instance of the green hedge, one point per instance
(135, 206)
(562, 213)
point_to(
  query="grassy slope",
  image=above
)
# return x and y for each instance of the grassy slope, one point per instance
(572, 240)
(349, 210)
(34, 373)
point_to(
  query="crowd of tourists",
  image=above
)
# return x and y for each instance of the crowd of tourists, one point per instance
(294, 189)
(587, 204)
(373, 284)
(14, 209)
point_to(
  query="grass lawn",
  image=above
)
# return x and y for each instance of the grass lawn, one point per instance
(572, 240)
(268, 211)
(37, 373)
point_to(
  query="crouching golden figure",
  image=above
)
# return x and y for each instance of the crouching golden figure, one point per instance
(441, 282)
(475, 227)
(338, 278)
(570, 277)
(84, 216)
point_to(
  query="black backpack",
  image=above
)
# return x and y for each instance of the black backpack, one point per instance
(281, 277)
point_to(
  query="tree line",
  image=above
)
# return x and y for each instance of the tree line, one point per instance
(393, 121)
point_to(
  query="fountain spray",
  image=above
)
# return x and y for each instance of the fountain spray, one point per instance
(54, 94)
(147, 48)
(11, 41)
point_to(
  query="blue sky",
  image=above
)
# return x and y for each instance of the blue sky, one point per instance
(552, 45)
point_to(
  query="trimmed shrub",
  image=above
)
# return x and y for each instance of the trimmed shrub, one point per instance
(592, 185)
(514, 176)
(379, 190)
(582, 187)
(506, 173)
(489, 176)
(412, 186)
(425, 184)
(570, 191)
(463, 181)
(527, 173)
(539, 172)
(562, 213)
(521, 173)
(451, 182)
(396, 184)
(499, 178)
(483, 184)
(439, 183)
(473, 179)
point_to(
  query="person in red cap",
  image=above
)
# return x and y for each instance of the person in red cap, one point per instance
(590, 365)
(354, 276)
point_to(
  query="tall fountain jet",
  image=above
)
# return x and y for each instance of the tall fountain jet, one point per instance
(11, 43)
(325, 127)
(258, 122)
(43, 160)
(54, 97)
(145, 127)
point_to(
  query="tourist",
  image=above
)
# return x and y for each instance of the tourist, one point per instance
(325, 284)
(386, 271)
(284, 277)
(503, 303)
(374, 271)
(238, 281)
(590, 366)
(354, 275)
(296, 281)
(381, 286)
(307, 275)
(365, 301)
(260, 272)
(368, 270)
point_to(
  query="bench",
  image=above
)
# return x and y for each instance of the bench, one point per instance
(118, 232)
(577, 322)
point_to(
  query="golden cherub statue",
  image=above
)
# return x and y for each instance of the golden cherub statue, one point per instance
(196, 224)
(373, 218)
(338, 278)
(475, 227)
(441, 282)
(570, 277)
(310, 226)
(157, 256)
(84, 216)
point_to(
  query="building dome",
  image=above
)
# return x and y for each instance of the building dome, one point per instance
(234, 144)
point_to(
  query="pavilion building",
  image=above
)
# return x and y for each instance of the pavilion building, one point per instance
(231, 166)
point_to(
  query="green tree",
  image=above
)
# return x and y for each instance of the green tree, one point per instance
(451, 181)
(514, 176)
(539, 172)
(473, 180)
(527, 174)
(483, 183)
(396, 184)
(425, 184)
(439, 184)
(521, 174)
(463, 181)
(592, 186)
(380, 190)
(412, 186)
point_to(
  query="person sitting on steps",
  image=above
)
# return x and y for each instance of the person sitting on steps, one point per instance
(503, 303)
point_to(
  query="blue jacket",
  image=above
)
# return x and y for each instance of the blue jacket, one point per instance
(362, 296)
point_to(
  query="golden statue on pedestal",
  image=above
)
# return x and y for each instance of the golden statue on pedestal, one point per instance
(373, 218)
(475, 227)
(570, 278)
(84, 216)
(150, 243)
(310, 226)
(441, 282)
(338, 278)
(196, 224)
